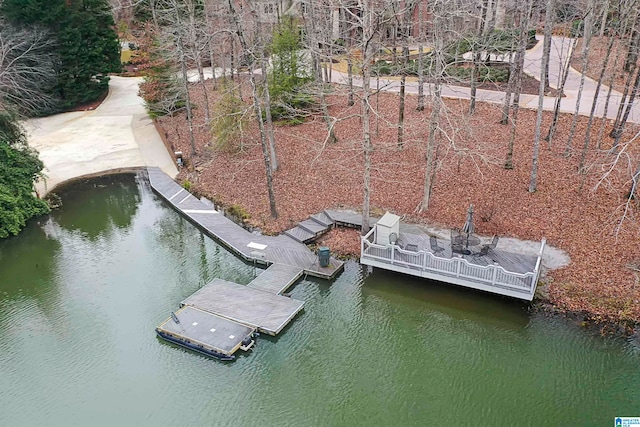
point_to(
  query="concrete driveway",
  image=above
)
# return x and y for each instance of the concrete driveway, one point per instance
(117, 136)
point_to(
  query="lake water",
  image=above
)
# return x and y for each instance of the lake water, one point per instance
(81, 292)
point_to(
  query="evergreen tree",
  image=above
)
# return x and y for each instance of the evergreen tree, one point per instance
(19, 168)
(86, 44)
(289, 74)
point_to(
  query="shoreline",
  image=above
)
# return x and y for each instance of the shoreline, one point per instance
(541, 302)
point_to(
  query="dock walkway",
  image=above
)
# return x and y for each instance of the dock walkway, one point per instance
(251, 247)
(276, 279)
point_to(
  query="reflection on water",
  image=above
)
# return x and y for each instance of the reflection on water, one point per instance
(98, 206)
(82, 291)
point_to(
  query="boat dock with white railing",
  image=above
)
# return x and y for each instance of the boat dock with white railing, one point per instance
(497, 271)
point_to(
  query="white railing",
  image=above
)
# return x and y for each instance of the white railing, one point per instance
(460, 268)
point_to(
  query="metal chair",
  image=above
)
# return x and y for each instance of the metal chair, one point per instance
(483, 251)
(456, 243)
(493, 244)
(437, 249)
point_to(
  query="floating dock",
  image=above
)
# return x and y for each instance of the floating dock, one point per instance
(276, 279)
(221, 310)
(265, 311)
(205, 332)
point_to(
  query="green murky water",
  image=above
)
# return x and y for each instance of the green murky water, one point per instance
(82, 291)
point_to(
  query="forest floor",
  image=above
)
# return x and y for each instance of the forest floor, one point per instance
(596, 58)
(583, 214)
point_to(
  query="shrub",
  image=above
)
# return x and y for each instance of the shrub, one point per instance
(228, 120)
(238, 212)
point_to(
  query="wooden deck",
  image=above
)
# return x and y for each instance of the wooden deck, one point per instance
(267, 312)
(251, 247)
(499, 271)
(276, 279)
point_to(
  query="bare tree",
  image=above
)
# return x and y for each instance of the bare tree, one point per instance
(565, 67)
(544, 78)
(438, 34)
(404, 26)
(585, 58)
(256, 53)
(368, 34)
(420, 67)
(525, 16)
(26, 69)
(476, 51)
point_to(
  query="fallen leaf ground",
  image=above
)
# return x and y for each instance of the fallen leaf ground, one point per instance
(570, 209)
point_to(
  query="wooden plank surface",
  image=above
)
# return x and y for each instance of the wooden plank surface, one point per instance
(516, 263)
(277, 278)
(348, 217)
(233, 236)
(266, 311)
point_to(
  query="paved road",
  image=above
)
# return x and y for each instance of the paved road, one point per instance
(560, 48)
(118, 135)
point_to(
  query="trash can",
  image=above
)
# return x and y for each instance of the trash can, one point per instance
(324, 255)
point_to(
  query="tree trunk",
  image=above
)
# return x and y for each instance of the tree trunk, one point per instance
(403, 81)
(609, 91)
(420, 106)
(605, 12)
(263, 143)
(203, 87)
(476, 57)
(620, 128)
(587, 138)
(556, 107)
(213, 67)
(544, 79)
(515, 106)
(632, 52)
(546, 47)
(268, 119)
(377, 103)
(514, 60)
(367, 36)
(258, 112)
(434, 120)
(585, 61)
(350, 79)
(432, 147)
(185, 83)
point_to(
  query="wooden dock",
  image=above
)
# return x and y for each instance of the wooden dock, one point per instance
(251, 247)
(266, 311)
(276, 279)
